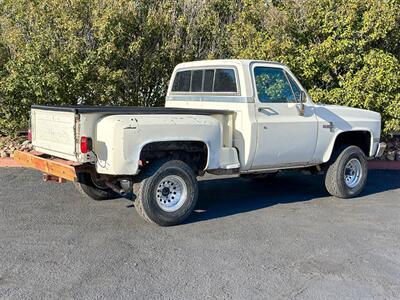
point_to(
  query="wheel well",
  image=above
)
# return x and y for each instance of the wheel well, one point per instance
(193, 153)
(361, 139)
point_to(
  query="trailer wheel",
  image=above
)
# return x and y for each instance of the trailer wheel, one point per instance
(347, 173)
(94, 189)
(167, 193)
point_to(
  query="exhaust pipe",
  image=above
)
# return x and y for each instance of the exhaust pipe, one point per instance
(115, 188)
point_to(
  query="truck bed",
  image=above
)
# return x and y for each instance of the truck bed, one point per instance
(116, 110)
(56, 130)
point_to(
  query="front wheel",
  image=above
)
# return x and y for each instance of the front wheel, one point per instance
(347, 174)
(167, 193)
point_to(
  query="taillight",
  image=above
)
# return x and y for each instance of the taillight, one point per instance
(30, 135)
(86, 144)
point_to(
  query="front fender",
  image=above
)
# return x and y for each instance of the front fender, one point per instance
(344, 119)
(329, 150)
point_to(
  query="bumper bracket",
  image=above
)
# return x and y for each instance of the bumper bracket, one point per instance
(52, 167)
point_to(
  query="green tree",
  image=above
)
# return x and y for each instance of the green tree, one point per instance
(122, 52)
(100, 52)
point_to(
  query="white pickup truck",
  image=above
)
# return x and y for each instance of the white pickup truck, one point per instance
(246, 117)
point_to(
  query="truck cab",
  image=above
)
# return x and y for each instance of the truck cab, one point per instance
(276, 124)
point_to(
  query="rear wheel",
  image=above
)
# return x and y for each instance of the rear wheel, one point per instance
(347, 174)
(167, 193)
(90, 186)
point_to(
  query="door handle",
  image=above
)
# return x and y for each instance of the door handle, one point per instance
(260, 109)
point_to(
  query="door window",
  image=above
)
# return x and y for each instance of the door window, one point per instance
(272, 85)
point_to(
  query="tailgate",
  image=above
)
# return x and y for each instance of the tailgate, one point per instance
(53, 132)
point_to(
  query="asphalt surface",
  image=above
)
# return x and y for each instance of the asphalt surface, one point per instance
(247, 240)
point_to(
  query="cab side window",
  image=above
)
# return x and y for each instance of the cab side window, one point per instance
(273, 85)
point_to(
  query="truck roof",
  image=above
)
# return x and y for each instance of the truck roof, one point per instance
(223, 62)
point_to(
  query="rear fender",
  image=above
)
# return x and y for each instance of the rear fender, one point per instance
(120, 139)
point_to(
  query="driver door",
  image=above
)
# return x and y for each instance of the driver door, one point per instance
(285, 136)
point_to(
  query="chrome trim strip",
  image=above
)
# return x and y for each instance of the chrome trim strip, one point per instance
(214, 98)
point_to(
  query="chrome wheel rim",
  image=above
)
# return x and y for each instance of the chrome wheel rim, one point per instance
(353, 173)
(171, 193)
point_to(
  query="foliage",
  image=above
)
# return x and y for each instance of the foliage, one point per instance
(122, 52)
(99, 51)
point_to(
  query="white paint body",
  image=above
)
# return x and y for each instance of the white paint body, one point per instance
(257, 137)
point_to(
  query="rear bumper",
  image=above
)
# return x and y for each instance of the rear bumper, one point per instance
(60, 168)
(380, 150)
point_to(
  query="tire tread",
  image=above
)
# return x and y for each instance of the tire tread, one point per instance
(86, 187)
(142, 189)
(333, 182)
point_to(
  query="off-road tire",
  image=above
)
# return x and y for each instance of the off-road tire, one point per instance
(86, 186)
(145, 192)
(335, 174)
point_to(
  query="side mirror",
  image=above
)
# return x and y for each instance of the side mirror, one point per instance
(303, 99)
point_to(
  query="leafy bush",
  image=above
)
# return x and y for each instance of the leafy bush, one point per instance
(98, 52)
(122, 52)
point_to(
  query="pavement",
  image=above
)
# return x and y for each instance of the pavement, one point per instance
(278, 239)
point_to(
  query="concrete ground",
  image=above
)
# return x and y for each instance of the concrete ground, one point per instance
(286, 238)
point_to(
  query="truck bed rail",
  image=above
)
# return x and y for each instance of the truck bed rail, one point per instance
(131, 110)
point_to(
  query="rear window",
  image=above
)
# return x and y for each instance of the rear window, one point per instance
(197, 81)
(225, 80)
(182, 81)
(206, 81)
